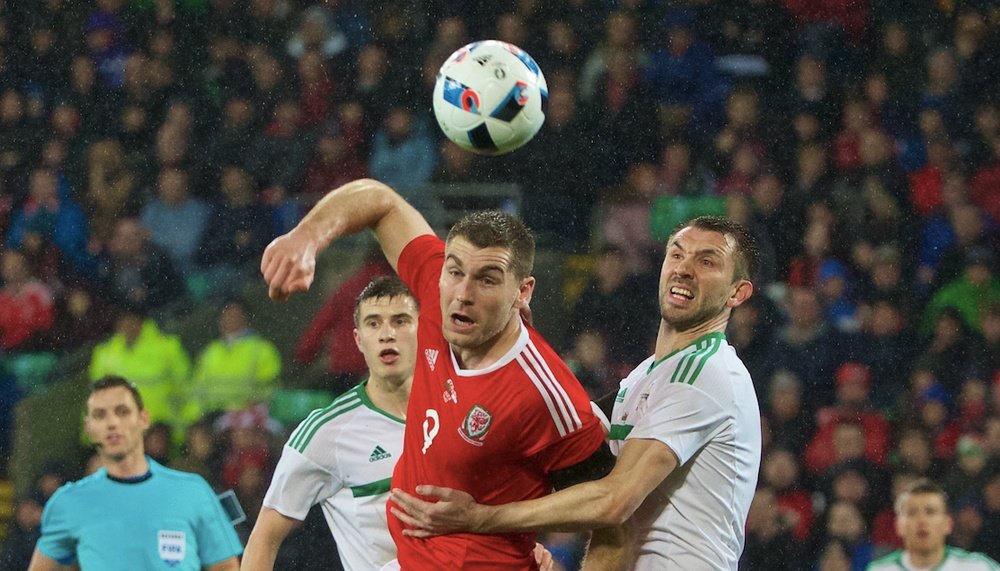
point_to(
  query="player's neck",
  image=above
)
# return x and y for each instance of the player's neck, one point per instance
(670, 339)
(481, 357)
(131, 466)
(389, 396)
(926, 560)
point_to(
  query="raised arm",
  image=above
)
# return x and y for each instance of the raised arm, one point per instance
(289, 262)
(642, 465)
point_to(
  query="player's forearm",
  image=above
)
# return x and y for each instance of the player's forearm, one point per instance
(585, 506)
(266, 538)
(259, 556)
(349, 209)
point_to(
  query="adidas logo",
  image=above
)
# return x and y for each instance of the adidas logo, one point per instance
(432, 357)
(379, 454)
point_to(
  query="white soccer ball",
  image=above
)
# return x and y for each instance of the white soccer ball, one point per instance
(490, 97)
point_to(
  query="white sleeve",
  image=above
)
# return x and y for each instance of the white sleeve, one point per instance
(299, 484)
(682, 416)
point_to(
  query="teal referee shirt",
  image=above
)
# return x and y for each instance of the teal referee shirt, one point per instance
(164, 519)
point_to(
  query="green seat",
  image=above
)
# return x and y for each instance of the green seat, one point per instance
(290, 406)
(32, 370)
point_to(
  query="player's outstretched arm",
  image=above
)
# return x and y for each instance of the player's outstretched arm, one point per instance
(289, 262)
(268, 533)
(642, 465)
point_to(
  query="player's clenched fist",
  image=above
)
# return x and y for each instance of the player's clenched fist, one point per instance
(289, 264)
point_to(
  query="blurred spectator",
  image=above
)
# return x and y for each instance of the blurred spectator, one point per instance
(227, 144)
(155, 361)
(19, 543)
(988, 540)
(278, 156)
(616, 303)
(315, 87)
(81, 317)
(852, 406)
(620, 34)
(809, 347)
(236, 369)
(967, 476)
(157, 442)
(333, 326)
(588, 359)
(844, 522)
(110, 192)
(235, 234)
(793, 502)
(50, 221)
(791, 423)
(681, 76)
(624, 217)
(751, 332)
(331, 29)
(769, 543)
(403, 155)
(936, 413)
(199, 454)
(176, 220)
(105, 44)
(977, 288)
(890, 347)
(561, 215)
(27, 309)
(339, 155)
(134, 272)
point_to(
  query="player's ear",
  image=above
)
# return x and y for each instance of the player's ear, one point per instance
(357, 339)
(525, 290)
(144, 419)
(741, 292)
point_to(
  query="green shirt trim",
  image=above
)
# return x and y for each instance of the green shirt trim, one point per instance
(372, 489)
(707, 336)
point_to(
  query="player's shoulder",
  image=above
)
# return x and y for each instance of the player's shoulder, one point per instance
(971, 560)
(893, 560)
(325, 423)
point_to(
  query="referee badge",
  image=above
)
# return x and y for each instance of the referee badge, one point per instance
(172, 546)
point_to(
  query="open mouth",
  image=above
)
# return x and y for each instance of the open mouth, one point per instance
(388, 356)
(462, 321)
(681, 293)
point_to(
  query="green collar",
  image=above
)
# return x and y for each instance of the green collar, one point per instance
(717, 335)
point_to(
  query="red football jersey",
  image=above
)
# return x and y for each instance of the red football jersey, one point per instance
(495, 433)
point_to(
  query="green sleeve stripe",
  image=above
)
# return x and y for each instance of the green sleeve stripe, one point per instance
(684, 365)
(305, 433)
(619, 431)
(689, 361)
(712, 349)
(372, 489)
(316, 415)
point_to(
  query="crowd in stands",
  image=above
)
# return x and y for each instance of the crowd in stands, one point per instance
(150, 149)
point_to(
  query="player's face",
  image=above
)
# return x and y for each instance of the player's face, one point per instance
(115, 423)
(924, 523)
(696, 281)
(480, 295)
(387, 336)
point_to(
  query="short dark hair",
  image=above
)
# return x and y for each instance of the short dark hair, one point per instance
(382, 287)
(920, 487)
(112, 381)
(747, 253)
(488, 228)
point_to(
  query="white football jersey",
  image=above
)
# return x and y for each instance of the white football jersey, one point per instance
(342, 457)
(955, 559)
(701, 403)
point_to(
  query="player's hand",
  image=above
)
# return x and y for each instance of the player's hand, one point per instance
(289, 264)
(544, 558)
(453, 511)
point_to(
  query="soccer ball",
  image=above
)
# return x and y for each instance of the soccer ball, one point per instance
(490, 97)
